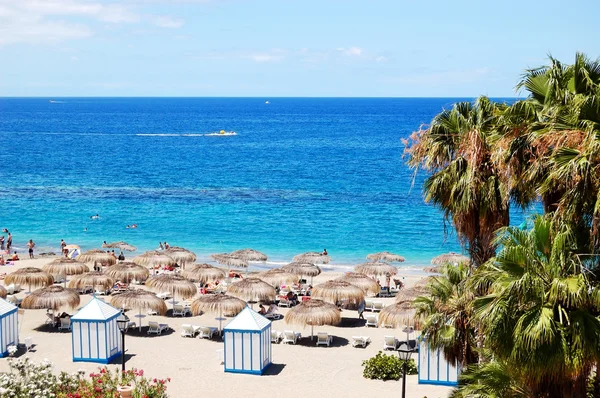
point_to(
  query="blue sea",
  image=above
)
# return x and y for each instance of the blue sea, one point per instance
(302, 174)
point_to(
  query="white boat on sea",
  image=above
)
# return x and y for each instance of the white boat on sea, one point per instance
(221, 133)
(266, 102)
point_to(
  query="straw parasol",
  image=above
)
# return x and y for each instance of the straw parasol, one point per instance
(141, 300)
(385, 256)
(176, 284)
(450, 258)
(277, 277)
(314, 312)
(97, 256)
(228, 259)
(203, 273)
(153, 258)
(93, 279)
(119, 245)
(3, 292)
(218, 304)
(249, 255)
(127, 272)
(180, 255)
(337, 291)
(65, 266)
(51, 297)
(312, 257)
(302, 268)
(252, 289)
(399, 315)
(365, 282)
(376, 269)
(411, 293)
(29, 276)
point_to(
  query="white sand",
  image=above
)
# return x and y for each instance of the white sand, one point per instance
(192, 364)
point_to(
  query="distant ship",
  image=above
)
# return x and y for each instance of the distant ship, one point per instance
(52, 101)
(221, 133)
(266, 102)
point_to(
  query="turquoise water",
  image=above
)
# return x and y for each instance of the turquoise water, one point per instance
(302, 174)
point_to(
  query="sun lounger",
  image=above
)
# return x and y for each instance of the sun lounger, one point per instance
(180, 310)
(51, 319)
(284, 302)
(10, 289)
(11, 298)
(163, 295)
(28, 343)
(324, 339)
(377, 306)
(102, 291)
(371, 320)
(157, 328)
(390, 343)
(65, 324)
(290, 337)
(360, 341)
(275, 336)
(368, 305)
(206, 332)
(189, 330)
(17, 287)
(274, 315)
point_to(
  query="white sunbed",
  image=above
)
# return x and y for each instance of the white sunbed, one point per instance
(368, 305)
(206, 332)
(371, 320)
(65, 324)
(324, 339)
(28, 343)
(284, 302)
(157, 328)
(390, 343)
(275, 336)
(180, 310)
(360, 341)
(377, 306)
(189, 330)
(164, 295)
(290, 337)
(101, 290)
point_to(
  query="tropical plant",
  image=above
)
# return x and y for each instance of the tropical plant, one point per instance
(386, 367)
(464, 183)
(448, 312)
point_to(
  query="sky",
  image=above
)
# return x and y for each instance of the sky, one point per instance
(270, 48)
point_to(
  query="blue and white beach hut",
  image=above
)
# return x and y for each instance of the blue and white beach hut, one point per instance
(9, 330)
(247, 342)
(433, 367)
(95, 334)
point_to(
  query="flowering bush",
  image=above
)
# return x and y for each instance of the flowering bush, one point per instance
(30, 380)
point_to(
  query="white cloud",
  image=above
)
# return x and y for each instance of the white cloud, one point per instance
(167, 22)
(351, 52)
(265, 57)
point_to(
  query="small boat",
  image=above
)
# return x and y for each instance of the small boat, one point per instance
(221, 133)
(266, 102)
(52, 101)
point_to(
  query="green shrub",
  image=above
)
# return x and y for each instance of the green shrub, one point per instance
(386, 367)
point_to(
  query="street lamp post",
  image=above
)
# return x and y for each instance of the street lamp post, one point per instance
(123, 324)
(404, 352)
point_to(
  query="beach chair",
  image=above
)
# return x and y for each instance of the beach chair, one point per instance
(157, 328)
(360, 341)
(275, 336)
(390, 343)
(10, 289)
(324, 339)
(189, 330)
(284, 302)
(163, 295)
(28, 343)
(180, 310)
(368, 305)
(377, 306)
(206, 332)
(51, 319)
(371, 320)
(273, 315)
(101, 291)
(11, 298)
(152, 312)
(290, 337)
(65, 324)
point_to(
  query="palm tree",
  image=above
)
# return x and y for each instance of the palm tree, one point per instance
(448, 311)
(464, 183)
(541, 313)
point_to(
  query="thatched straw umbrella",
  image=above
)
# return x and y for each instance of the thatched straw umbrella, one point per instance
(65, 266)
(249, 255)
(337, 291)
(450, 258)
(385, 256)
(119, 245)
(312, 257)
(93, 279)
(203, 273)
(141, 300)
(411, 293)
(435, 270)
(277, 277)
(252, 289)
(51, 297)
(97, 256)
(177, 284)
(3, 292)
(376, 269)
(127, 272)
(314, 312)
(229, 260)
(29, 276)
(302, 268)
(218, 304)
(399, 315)
(365, 282)
(180, 255)
(153, 258)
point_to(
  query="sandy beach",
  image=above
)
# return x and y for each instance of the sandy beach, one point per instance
(194, 367)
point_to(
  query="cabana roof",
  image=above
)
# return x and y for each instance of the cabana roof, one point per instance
(96, 310)
(6, 308)
(248, 319)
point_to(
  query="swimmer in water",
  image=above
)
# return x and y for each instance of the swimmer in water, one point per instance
(95, 217)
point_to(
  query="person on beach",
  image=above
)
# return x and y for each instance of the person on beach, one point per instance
(388, 279)
(30, 246)
(15, 257)
(166, 245)
(9, 242)
(262, 310)
(361, 309)
(121, 257)
(160, 246)
(2, 262)
(62, 245)
(2, 242)
(324, 252)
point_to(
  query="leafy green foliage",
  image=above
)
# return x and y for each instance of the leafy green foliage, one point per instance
(387, 367)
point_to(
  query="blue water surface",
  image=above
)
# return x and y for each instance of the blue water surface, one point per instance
(302, 174)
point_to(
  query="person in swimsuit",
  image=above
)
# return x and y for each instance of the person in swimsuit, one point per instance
(9, 242)
(324, 252)
(30, 246)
